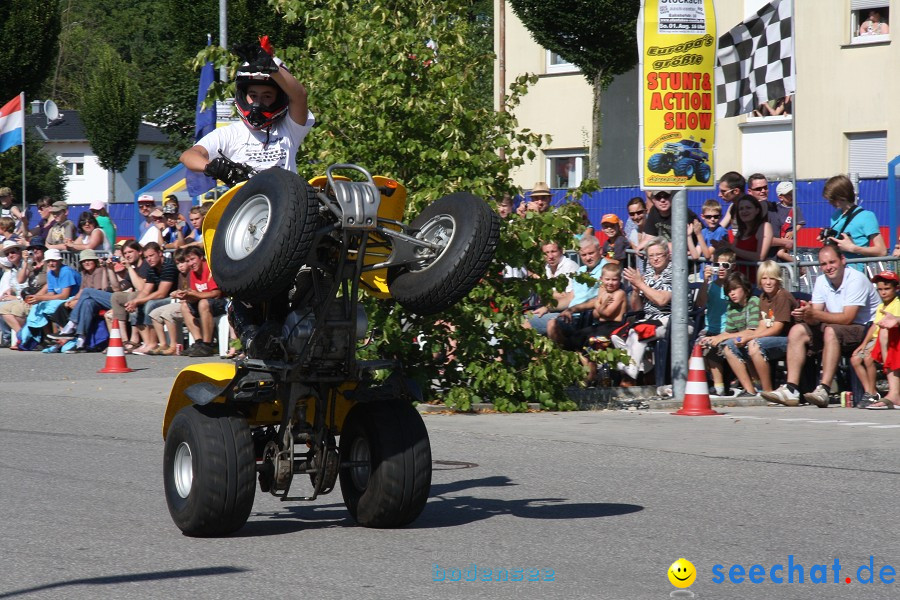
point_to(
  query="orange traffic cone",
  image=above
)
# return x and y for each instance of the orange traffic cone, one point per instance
(115, 352)
(696, 392)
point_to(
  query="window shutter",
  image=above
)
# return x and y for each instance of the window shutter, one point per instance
(868, 153)
(862, 4)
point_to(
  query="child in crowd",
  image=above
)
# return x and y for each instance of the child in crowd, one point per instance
(768, 340)
(167, 318)
(608, 313)
(880, 345)
(196, 216)
(9, 209)
(615, 246)
(8, 230)
(713, 233)
(712, 297)
(741, 317)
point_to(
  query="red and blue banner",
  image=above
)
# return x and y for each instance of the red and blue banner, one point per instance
(198, 183)
(12, 123)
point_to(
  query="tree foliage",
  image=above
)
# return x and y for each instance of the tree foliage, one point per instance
(598, 36)
(111, 114)
(29, 30)
(395, 87)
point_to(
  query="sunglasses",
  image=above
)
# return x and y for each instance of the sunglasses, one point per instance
(761, 188)
(717, 216)
(636, 213)
(722, 265)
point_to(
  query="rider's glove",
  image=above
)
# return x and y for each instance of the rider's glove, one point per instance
(227, 171)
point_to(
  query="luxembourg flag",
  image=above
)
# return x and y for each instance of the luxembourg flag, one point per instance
(12, 123)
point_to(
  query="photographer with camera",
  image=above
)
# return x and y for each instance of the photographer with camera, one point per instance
(853, 230)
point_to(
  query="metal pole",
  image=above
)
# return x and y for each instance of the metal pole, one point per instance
(501, 62)
(678, 322)
(795, 271)
(223, 35)
(22, 104)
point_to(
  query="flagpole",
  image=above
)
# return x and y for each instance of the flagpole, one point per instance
(795, 272)
(22, 105)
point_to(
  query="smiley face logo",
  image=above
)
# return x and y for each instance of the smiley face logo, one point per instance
(682, 573)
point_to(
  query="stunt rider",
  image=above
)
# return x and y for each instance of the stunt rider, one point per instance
(275, 119)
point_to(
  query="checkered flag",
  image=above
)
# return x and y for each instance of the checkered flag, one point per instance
(754, 61)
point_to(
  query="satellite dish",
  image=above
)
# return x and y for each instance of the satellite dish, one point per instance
(51, 110)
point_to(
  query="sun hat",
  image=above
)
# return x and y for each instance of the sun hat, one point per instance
(59, 206)
(52, 254)
(540, 189)
(10, 244)
(87, 254)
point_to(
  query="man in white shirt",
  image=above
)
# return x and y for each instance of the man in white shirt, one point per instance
(834, 322)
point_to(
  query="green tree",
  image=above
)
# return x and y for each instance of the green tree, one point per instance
(111, 114)
(29, 30)
(43, 175)
(395, 87)
(598, 36)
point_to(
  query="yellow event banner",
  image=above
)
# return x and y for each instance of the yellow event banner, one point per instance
(677, 49)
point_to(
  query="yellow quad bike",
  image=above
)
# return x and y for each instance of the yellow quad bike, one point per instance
(313, 409)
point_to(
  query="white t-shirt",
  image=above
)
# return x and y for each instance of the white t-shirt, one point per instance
(248, 146)
(151, 235)
(855, 290)
(566, 266)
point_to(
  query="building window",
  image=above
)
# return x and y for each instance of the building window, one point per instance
(565, 169)
(558, 64)
(72, 164)
(867, 153)
(143, 170)
(869, 21)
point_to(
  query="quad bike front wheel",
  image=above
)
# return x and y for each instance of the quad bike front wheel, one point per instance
(466, 232)
(264, 235)
(209, 470)
(385, 464)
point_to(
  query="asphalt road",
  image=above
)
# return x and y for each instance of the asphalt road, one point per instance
(602, 502)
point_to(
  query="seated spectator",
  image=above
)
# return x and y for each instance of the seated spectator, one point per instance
(167, 319)
(874, 24)
(505, 206)
(159, 277)
(9, 209)
(8, 230)
(713, 233)
(42, 229)
(576, 307)
(201, 303)
(843, 301)
(197, 214)
(30, 278)
(783, 239)
(659, 220)
(539, 200)
(92, 236)
(146, 205)
(614, 247)
(856, 230)
(655, 288)
(609, 309)
(104, 221)
(754, 235)
(10, 286)
(171, 202)
(713, 298)
(172, 236)
(62, 229)
(557, 264)
(880, 345)
(731, 187)
(63, 282)
(154, 232)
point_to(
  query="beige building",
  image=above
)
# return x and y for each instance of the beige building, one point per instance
(844, 111)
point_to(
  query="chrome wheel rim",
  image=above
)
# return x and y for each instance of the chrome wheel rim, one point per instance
(183, 468)
(247, 228)
(438, 231)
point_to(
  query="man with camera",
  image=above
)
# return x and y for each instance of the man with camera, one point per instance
(832, 324)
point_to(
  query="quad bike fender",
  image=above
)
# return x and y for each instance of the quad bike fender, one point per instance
(217, 374)
(213, 215)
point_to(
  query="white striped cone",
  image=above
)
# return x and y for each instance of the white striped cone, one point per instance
(696, 391)
(115, 352)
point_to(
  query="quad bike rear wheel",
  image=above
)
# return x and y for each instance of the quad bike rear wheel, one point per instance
(385, 464)
(264, 236)
(466, 231)
(209, 470)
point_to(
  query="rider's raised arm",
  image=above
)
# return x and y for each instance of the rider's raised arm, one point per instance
(195, 158)
(296, 92)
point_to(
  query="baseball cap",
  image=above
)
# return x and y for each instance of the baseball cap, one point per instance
(98, 205)
(58, 206)
(611, 218)
(784, 188)
(170, 209)
(146, 198)
(52, 254)
(887, 276)
(37, 241)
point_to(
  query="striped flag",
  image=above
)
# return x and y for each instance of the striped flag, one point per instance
(755, 61)
(12, 123)
(205, 122)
